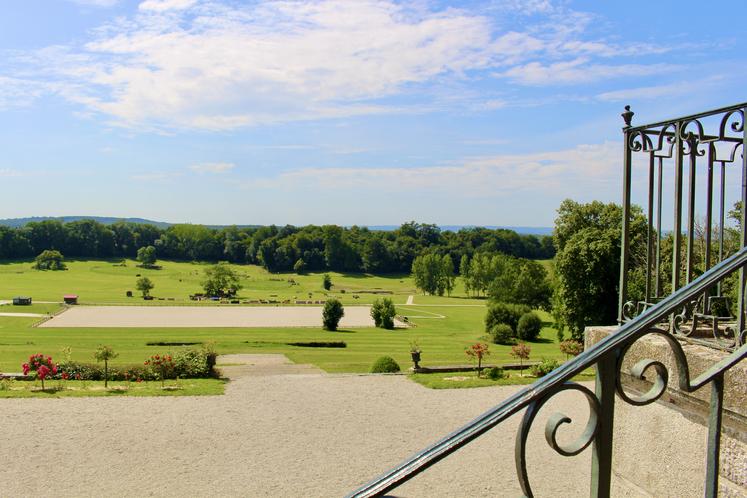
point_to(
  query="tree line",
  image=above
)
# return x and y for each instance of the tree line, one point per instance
(308, 248)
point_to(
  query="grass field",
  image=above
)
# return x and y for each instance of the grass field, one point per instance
(108, 281)
(443, 326)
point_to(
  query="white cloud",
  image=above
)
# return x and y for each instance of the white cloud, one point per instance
(218, 65)
(7, 173)
(212, 167)
(546, 172)
(164, 5)
(660, 91)
(17, 92)
(580, 70)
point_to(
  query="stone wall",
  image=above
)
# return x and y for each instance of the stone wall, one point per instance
(660, 449)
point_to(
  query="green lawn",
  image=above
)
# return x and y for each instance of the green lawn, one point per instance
(108, 281)
(75, 389)
(469, 379)
(443, 329)
(442, 340)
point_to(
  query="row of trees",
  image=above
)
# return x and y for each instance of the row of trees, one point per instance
(288, 248)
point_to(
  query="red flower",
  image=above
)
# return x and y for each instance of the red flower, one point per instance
(65, 376)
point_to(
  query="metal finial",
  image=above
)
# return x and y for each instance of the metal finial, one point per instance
(627, 116)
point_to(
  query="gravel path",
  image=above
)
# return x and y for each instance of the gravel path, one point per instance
(205, 316)
(280, 430)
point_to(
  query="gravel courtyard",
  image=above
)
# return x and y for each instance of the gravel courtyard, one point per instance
(205, 316)
(280, 430)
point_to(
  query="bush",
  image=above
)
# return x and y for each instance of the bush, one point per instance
(545, 367)
(192, 363)
(571, 348)
(331, 314)
(385, 364)
(383, 313)
(504, 313)
(529, 327)
(495, 373)
(502, 334)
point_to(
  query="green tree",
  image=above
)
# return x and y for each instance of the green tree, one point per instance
(147, 256)
(105, 353)
(383, 313)
(50, 260)
(587, 237)
(144, 285)
(464, 273)
(447, 275)
(300, 266)
(332, 313)
(327, 282)
(221, 280)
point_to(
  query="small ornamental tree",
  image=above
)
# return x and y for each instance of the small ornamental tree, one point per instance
(50, 260)
(571, 348)
(41, 365)
(383, 313)
(477, 352)
(521, 351)
(331, 314)
(144, 285)
(327, 282)
(147, 256)
(105, 353)
(160, 365)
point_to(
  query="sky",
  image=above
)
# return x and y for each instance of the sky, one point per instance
(368, 112)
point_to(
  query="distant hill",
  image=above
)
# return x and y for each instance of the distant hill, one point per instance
(108, 220)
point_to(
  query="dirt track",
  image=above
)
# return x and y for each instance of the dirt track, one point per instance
(205, 316)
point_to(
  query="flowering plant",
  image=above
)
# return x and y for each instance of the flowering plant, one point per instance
(41, 365)
(477, 351)
(161, 364)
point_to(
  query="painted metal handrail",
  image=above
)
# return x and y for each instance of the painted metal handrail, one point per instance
(606, 356)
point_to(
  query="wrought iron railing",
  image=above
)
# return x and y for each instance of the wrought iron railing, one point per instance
(690, 150)
(607, 358)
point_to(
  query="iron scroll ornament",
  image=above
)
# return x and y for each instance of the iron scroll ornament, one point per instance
(552, 426)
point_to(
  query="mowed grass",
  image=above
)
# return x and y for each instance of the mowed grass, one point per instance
(76, 389)
(442, 340)
(443, 326)
(108, 282)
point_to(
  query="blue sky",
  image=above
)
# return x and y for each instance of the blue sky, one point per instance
(486, 112)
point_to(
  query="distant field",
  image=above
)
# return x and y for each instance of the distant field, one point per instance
(108, 281)
(443, 326)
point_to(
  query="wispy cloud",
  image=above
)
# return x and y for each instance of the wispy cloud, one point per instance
(218, 65)
(212, 167)
(552, 171)
(658, 91)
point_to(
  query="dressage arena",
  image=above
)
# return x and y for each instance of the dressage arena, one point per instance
(205, 316)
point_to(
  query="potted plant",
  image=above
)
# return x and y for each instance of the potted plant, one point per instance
(415, 353)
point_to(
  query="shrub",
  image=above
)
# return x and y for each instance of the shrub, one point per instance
(502, 334)
(191, 363)
(571, 348)
(41, 365)
(383, 313)
(327, 282)
(385, 364)
(544, 367)
(331, 314)
(163, 366)
(529, 327)
(504, 313)
(50, 260)
(495, 373)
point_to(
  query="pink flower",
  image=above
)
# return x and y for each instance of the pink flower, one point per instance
(26, 368)
(43, 372)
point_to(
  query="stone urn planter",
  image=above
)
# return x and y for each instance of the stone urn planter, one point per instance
(415, 358)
